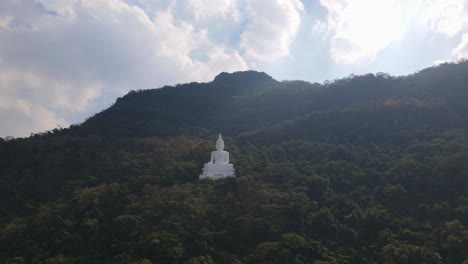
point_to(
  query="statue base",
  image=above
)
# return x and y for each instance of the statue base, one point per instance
(217, 171)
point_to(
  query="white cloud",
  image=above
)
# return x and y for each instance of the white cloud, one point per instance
(449, 17)
(66, 59)
(445, 16)
(62, 56)
(20, 117)
(227, 59)
(461, 51)
(64, 8)
(5, 22)
(359, 29)
(272, 27)
(206, 9)
(55, 94)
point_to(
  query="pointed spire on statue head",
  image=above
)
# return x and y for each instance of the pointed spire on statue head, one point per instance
(219, 143)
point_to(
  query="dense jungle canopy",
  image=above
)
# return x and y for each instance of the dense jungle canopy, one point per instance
(365, 169)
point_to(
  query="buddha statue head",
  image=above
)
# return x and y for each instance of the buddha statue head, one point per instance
(219, 143)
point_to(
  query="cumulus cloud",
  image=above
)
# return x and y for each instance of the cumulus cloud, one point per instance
(445, 16)
(58, 58)
(62, 60)
(272, 27)
(227, 59)
(203, 9)
(450, 17)
(359, 29)
(461, 51)
(21, 117)
(5, 22)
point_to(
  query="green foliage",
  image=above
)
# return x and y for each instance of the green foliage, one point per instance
(367, 169)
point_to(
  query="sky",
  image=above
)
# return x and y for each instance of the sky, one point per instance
(62, 61)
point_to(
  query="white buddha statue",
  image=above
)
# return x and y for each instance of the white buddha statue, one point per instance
(218, 166)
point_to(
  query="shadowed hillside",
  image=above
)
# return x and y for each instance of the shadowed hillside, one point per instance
(435, 98)
(365, 169)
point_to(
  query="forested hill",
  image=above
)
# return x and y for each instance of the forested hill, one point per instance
(369, 105)
(365, 169)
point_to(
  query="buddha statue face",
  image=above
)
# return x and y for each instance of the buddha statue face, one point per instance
(219, 144)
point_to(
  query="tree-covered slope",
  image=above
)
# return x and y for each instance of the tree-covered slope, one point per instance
(245, 101)
(367, 169)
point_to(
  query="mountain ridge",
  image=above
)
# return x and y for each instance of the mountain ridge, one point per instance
(243, 77)
(255, 100)
(365, 169)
